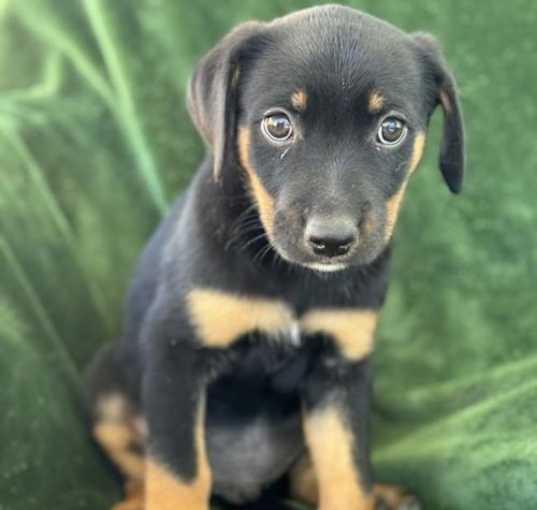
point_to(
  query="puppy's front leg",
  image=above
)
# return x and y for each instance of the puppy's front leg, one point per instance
(177, 471)
(336, 407)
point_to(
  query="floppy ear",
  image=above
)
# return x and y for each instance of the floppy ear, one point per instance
(452, 155)
(213, 92)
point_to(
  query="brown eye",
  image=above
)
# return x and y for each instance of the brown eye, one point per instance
(391, 131)
(277, 127)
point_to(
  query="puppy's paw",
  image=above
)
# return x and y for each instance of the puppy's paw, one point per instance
(130, 504)
(391, 497)
(134, 497)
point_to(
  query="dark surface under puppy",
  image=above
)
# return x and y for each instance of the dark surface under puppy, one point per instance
(248, 326)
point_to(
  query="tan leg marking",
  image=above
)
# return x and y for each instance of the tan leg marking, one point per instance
(299, 100)
(130, 504)
(376, 101)
(265, 203)
(330, 445)
(221, 318)
(304, 487)
(134, 497)
(116, 432)
(391, 495)
(121, 433)
(303, 482)
(352, 330)
(166, 491)
(394, 203)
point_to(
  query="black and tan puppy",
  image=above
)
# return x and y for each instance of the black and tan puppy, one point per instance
(250, 320)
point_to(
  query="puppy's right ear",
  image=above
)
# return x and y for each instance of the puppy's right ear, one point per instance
(213, 93)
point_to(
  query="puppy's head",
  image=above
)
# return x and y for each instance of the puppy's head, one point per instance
(325, 111)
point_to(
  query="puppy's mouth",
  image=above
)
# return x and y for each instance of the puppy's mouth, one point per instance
(325, 246)
(321, 265)
(294, 253)
(328, 246)
(329, 267)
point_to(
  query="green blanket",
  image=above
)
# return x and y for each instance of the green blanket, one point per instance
(95, 142)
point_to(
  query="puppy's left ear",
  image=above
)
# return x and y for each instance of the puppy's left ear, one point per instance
(213, 93)
(452, 155)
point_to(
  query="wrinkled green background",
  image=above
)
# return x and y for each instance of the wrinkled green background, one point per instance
(95, 141)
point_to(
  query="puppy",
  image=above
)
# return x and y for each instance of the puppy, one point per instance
(250, 320)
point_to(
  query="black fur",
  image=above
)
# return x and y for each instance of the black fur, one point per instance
(214, 238)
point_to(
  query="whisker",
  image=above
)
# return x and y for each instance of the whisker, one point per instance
(253, 240)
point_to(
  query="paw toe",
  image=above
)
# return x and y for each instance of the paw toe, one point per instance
(410, 503)
(391, 497)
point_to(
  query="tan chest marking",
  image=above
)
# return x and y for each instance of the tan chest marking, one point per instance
(221, 318)
(352, 330)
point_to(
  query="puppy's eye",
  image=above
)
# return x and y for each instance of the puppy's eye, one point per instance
(391, 131)
(277, 127)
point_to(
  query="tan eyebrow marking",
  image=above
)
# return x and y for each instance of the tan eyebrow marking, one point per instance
(299, 99)
(376, 101)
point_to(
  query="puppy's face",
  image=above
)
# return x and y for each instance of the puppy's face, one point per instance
(329, 110)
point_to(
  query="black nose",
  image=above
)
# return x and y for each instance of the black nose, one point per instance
(331, 237)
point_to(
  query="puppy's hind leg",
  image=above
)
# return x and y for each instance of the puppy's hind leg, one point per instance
(116, 425)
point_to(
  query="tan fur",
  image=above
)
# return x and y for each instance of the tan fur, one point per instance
(352, 330)
(330, 445)
(304, 487)
(417, 152)
(220, 317)
(303, 482)
(392, 210)
(392, 495)
(165, 491)
(263, 200)
(393, 205)
(446, 103)
(130, 504)
(235, 77)
(112, 407)
(376, 101)
(115, 432)
(116, 439)
(134, 497)
(299, 100)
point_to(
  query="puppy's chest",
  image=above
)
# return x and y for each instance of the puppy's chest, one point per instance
(221, 318)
